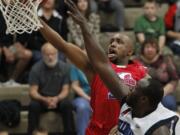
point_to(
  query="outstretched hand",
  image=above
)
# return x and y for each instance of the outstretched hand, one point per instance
(75, 13)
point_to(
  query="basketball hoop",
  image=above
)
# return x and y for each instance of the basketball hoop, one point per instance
(20, 15)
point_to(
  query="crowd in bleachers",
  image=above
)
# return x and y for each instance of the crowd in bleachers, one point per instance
(30, 59)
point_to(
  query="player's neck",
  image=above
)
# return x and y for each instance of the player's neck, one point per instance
(121, 61)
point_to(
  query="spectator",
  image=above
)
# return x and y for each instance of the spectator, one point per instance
(13, 53)
(172, 22)
(161, 68)
(48, 14)
(81, 102)
(93, 22)
(150, 25)
(116, 6)
(49, 88)
(40, 131)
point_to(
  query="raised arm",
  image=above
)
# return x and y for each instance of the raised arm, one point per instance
(74, 53)
(97, 55)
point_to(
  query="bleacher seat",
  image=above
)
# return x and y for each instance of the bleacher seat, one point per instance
(131, 14)
(50, 120)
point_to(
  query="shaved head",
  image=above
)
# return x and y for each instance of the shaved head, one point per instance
(48, 47)
(126, 40)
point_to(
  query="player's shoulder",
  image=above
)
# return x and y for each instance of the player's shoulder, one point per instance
(136, 64)
(138, 68)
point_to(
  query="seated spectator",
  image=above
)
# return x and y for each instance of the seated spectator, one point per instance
(13, 53)
(93, 21)
(81, 102)
(172, 22)
(149, 25)
(49, 87)
(48, 14)
(161, 68)
(40, 131)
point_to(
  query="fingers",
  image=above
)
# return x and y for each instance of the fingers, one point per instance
(114, 131)
(71, 14)
(71, 5)
(68, 3)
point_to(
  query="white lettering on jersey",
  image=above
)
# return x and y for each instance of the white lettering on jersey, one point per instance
(127, 79)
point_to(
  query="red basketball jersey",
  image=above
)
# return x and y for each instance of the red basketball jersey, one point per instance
(105, 107)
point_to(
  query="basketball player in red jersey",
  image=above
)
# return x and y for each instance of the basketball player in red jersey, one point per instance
(105, 106)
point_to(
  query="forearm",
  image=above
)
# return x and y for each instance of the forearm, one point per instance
(174, 35)
(79, 91)
(170, 87)
(63, 94)
(53, 37)
(36, 96)
(95, 52)
(161, 42)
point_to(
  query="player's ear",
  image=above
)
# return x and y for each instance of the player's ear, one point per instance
(144, 99)
(130, 52)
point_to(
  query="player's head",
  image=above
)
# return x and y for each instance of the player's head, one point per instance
(50, 54)
(150, 49)
(40, 131)
(148, 93)
(150, 8)
(48, 4)
(120, 47)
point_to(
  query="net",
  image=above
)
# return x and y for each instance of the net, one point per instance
(20, 15)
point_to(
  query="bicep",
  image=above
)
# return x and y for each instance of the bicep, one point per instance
(33, 90)
(65, 88)
(75, 84)
(163, 130)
